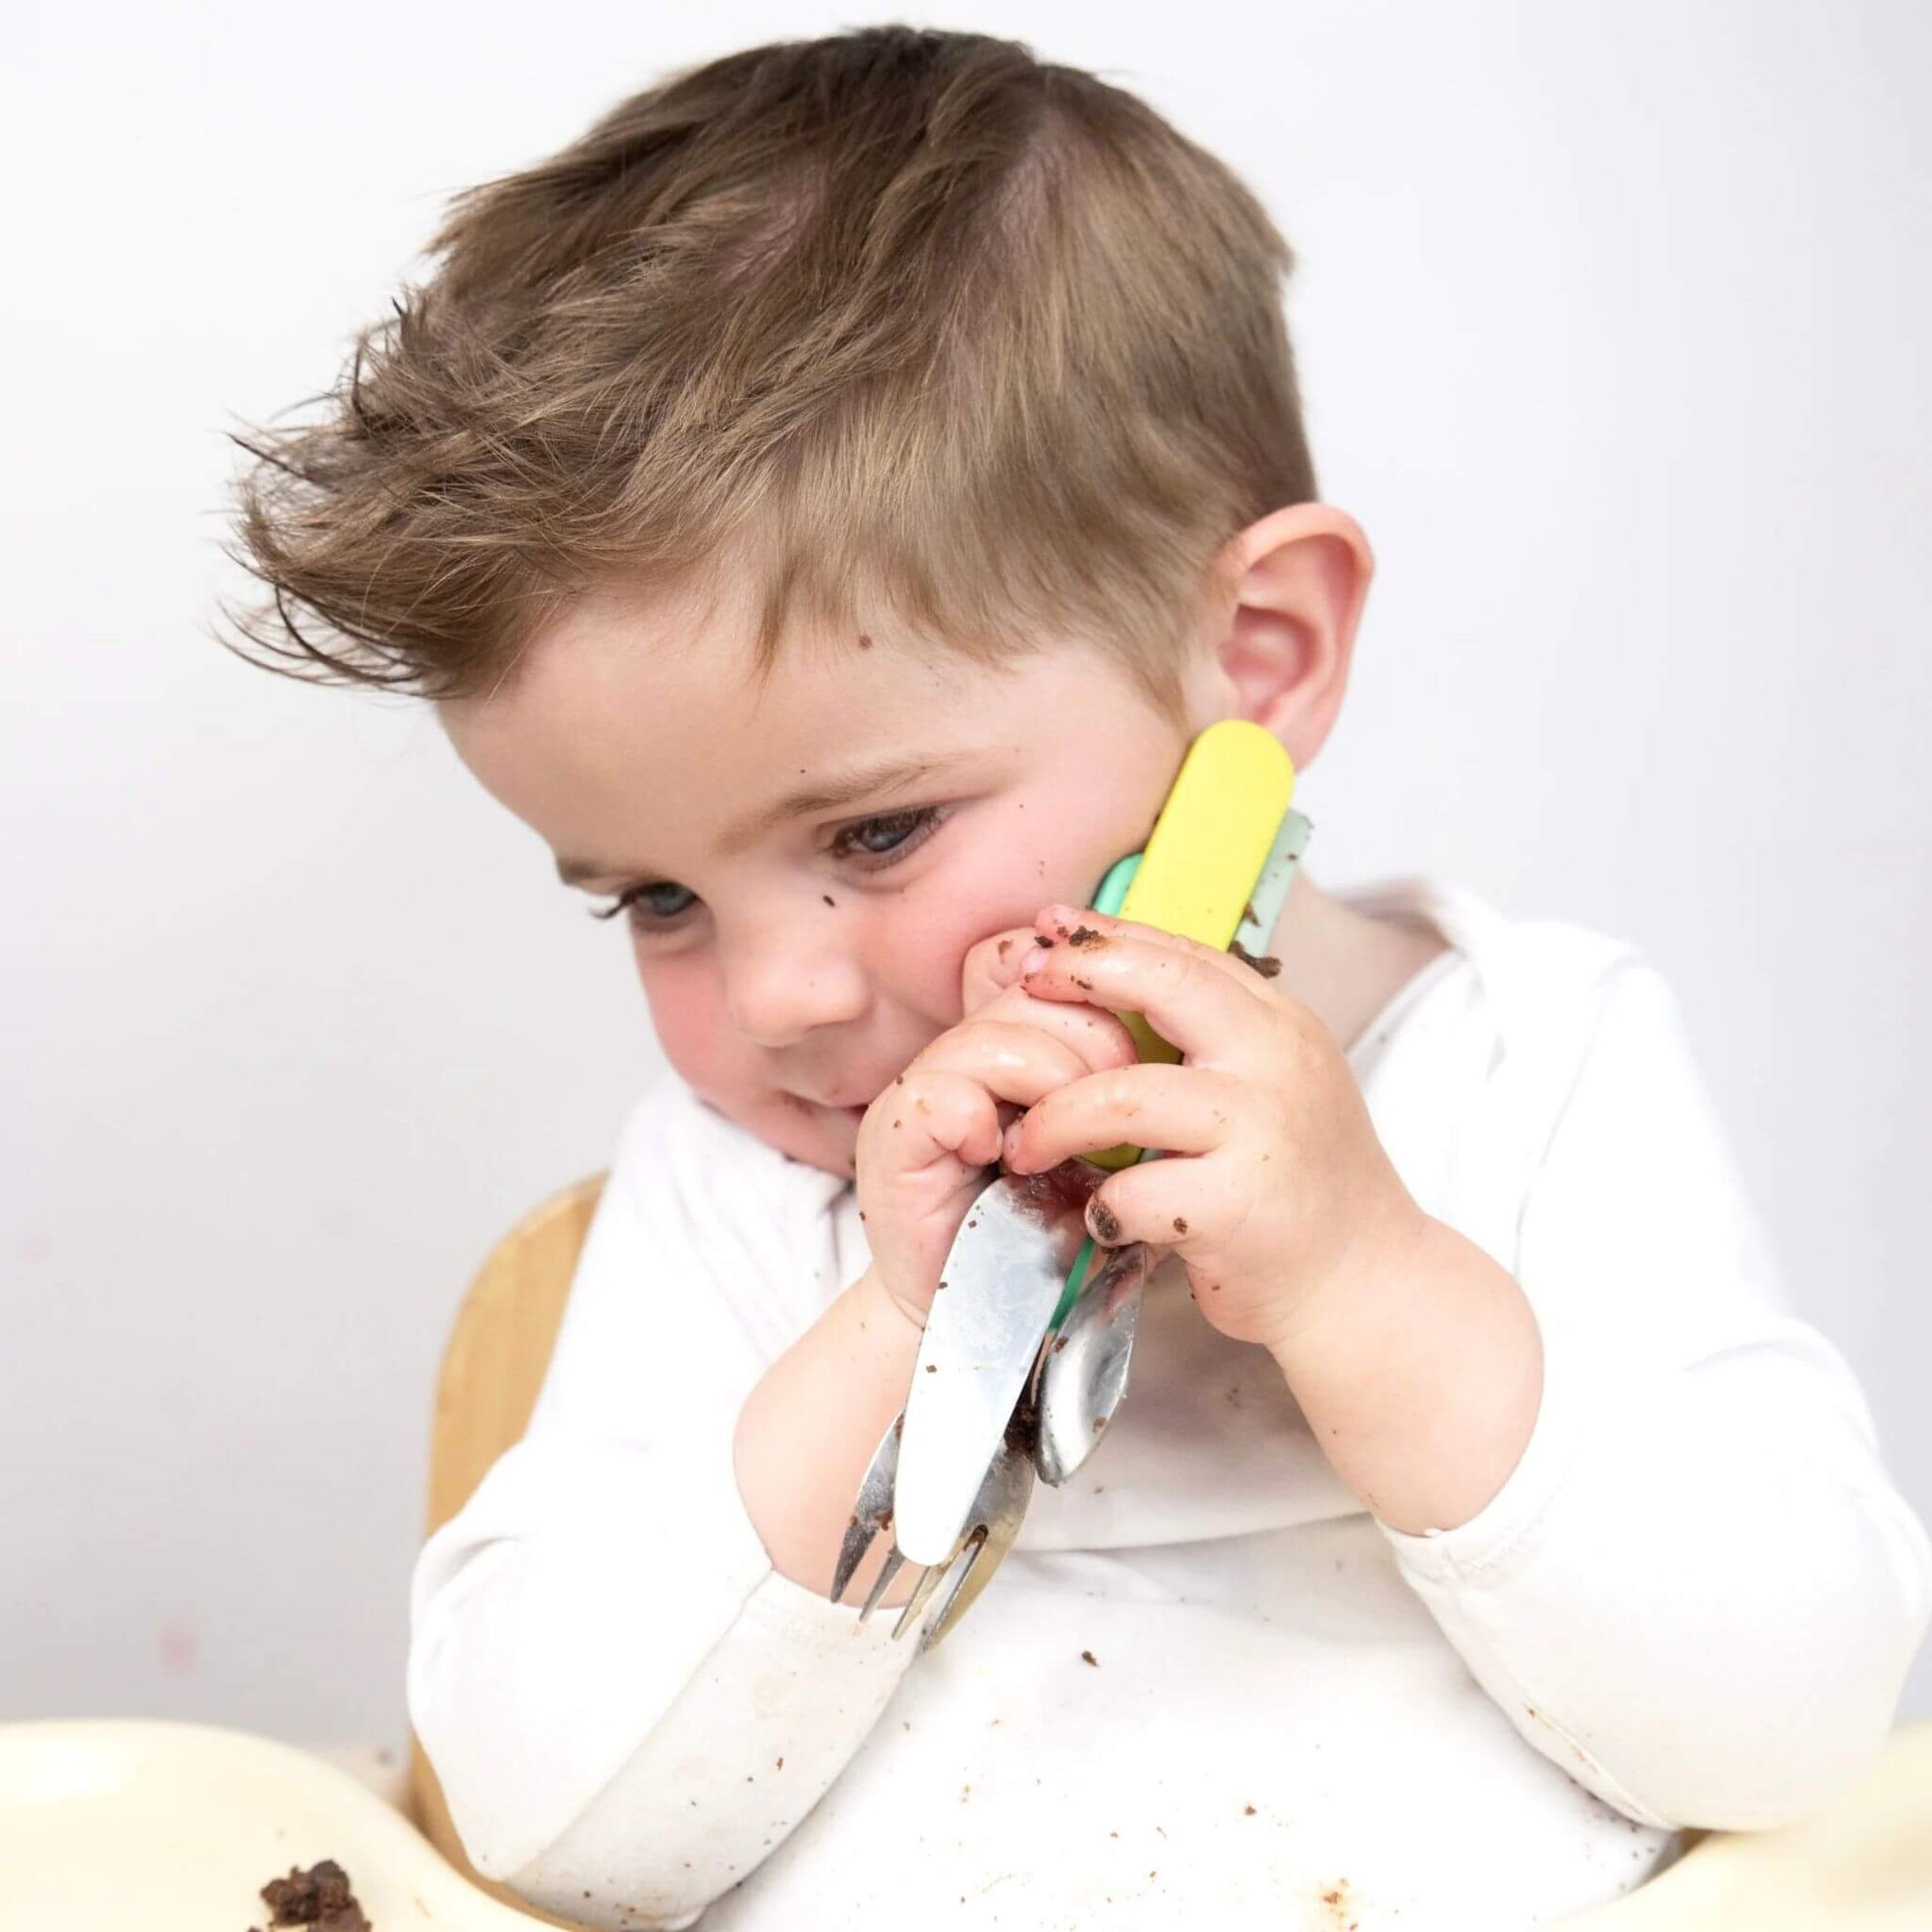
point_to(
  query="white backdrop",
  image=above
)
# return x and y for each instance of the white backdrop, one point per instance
(1612, 321)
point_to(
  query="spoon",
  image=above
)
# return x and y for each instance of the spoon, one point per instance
(1083, 1369)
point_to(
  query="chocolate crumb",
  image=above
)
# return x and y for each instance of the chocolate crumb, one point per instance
(1106, 1224)
(933, 1368)
(828, 898)
(1248, 913)
(1087, 1657)
(1041, 939)
(1006, 946)
(1247, 1811)
(1266, 964)
(1085, 985)
(1060, 1342)
(320, 1896)
(1180, 1224)
(1085, 935)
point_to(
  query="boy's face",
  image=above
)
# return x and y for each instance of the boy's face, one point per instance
(796, 952)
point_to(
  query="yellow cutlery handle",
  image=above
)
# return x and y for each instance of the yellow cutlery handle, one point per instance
(1204, 856)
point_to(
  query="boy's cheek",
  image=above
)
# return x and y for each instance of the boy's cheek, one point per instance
(951, 948)
(687, 1014)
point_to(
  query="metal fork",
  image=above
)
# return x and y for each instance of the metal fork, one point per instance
(998, 1508)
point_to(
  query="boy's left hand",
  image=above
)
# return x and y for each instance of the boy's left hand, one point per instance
(1273, 1187)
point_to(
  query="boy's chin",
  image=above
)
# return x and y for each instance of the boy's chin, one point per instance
(817, 1137)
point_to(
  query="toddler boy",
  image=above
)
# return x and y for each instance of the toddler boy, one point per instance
(824, 502)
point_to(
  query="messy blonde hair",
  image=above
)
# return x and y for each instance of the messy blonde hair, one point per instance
(900, 321)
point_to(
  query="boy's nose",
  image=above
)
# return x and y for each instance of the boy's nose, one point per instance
(778, 987)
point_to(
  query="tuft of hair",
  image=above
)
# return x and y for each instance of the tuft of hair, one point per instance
(891, 323)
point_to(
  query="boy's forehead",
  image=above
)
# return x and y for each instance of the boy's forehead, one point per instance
(678, 675)
(631, 704)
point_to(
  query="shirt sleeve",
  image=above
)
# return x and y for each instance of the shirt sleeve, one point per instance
(1697, 1592)
(627, 1705)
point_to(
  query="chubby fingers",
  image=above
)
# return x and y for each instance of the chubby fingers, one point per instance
(1011, 1061)
(1192, 1207)
(923, 1114)
(1166, 1203)
(948, 1100)
(1093, 1032)
(992, 965)
(1206, 1003)
(1177, 1109)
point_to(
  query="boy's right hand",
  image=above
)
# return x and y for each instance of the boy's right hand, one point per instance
(927, 1142)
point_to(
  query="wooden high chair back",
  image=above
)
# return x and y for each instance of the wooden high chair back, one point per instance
(492, 1371)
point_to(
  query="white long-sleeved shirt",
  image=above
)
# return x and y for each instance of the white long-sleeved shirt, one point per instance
(1206, 1680)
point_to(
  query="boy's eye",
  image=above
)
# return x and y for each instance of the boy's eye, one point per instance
(888, 836)
(663, 900)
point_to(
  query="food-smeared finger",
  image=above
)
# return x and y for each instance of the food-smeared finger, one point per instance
(1201, 1000)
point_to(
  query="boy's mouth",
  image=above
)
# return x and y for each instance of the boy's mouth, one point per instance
(852, 1113)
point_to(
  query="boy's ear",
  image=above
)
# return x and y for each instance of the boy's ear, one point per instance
(1298, 579)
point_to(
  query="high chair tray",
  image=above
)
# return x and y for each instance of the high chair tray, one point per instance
(176, 1828)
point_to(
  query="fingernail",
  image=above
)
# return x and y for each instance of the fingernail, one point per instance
(1103, 1221)
(1033, 961)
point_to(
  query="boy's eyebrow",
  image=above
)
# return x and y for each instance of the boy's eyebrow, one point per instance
(840, 788)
